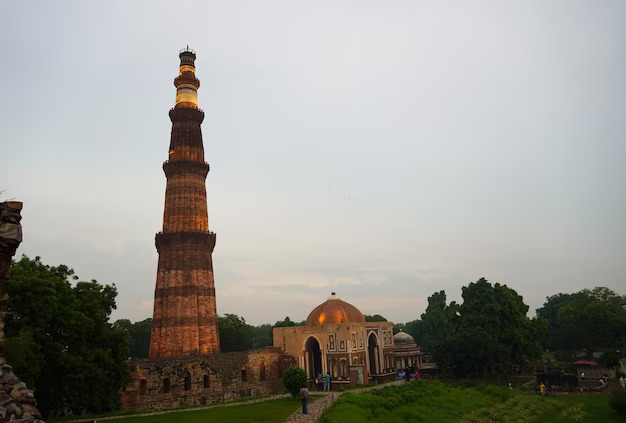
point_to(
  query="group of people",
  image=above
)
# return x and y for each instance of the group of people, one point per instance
(321, 382)
(409, 373)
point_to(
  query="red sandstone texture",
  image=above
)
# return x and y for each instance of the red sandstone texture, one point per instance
(185, 318)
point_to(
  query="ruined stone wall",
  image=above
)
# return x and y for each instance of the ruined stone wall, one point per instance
(171, 382)
(17, 402)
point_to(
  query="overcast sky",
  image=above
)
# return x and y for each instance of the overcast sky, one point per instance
(384, 150)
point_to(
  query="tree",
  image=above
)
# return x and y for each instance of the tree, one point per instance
(288, 322)
(484, 336)
(294, 378)
(261, 335)
(139, 336)
(555, 339)
(234, 333)
(589, 319)
(494, 332)
(437, 326)
(59, 339)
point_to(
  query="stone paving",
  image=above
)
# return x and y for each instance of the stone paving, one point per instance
(318, 407)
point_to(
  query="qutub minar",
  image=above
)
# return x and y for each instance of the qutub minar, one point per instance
(185, 318)
(186, 366)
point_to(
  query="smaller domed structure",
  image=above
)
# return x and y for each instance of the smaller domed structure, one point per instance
(403, 338)
(334, 310)
(406, 351)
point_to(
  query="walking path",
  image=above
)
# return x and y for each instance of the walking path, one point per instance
(318, 407)
(315, 409)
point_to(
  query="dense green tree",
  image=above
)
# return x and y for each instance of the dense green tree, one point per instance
(139, 336)
(594, 320)
(294, 378)
(59, 340)
(484, 336)
(437, 326)
(555, 339)
(235, 334)
(374, 318)
(288, 322)
(262, 336)
(494, 332)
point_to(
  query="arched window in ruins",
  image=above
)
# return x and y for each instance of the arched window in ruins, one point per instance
(262, 372)
(187, 381)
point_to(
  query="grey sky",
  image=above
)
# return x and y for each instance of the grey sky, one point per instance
(384, 150)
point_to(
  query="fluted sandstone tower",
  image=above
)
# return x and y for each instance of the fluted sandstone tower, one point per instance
(185, 318)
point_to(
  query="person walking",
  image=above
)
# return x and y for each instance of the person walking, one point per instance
(304, 396)
(327, 379)
(622, 382)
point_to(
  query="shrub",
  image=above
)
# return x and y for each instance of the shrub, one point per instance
(294, 379)
(618, 401)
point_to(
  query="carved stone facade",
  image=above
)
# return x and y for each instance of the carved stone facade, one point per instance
(184, 322)
(167, 383)
(17, 402)
(337, 339)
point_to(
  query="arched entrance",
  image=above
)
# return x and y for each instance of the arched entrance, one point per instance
(372, 354)
(312, 358)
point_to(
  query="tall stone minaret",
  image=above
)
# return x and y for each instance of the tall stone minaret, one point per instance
(185, 318)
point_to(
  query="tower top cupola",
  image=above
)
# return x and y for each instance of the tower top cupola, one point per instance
(186, 83)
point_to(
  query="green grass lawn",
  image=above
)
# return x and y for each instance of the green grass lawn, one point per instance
(266, 411)
(431, 401)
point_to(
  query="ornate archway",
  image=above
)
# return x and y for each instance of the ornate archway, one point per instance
(372, 354)
(312, 358)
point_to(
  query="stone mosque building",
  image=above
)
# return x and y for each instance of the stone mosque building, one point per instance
(337, 339)
(406, 351)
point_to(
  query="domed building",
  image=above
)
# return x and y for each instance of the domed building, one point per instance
(406, 351)
(337, 339)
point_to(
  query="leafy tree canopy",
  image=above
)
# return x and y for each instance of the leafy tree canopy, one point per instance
(288, 322)
(589, 319)
(484, 336)
(59, 340)
(294, 379)
(139, 336)
(234, 333)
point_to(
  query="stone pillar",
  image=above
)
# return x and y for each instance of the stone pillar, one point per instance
(185, 318)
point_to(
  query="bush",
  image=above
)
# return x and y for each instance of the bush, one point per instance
(618, 401)
(294, 379)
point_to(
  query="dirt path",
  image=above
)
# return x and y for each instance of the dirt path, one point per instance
(318, 407)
